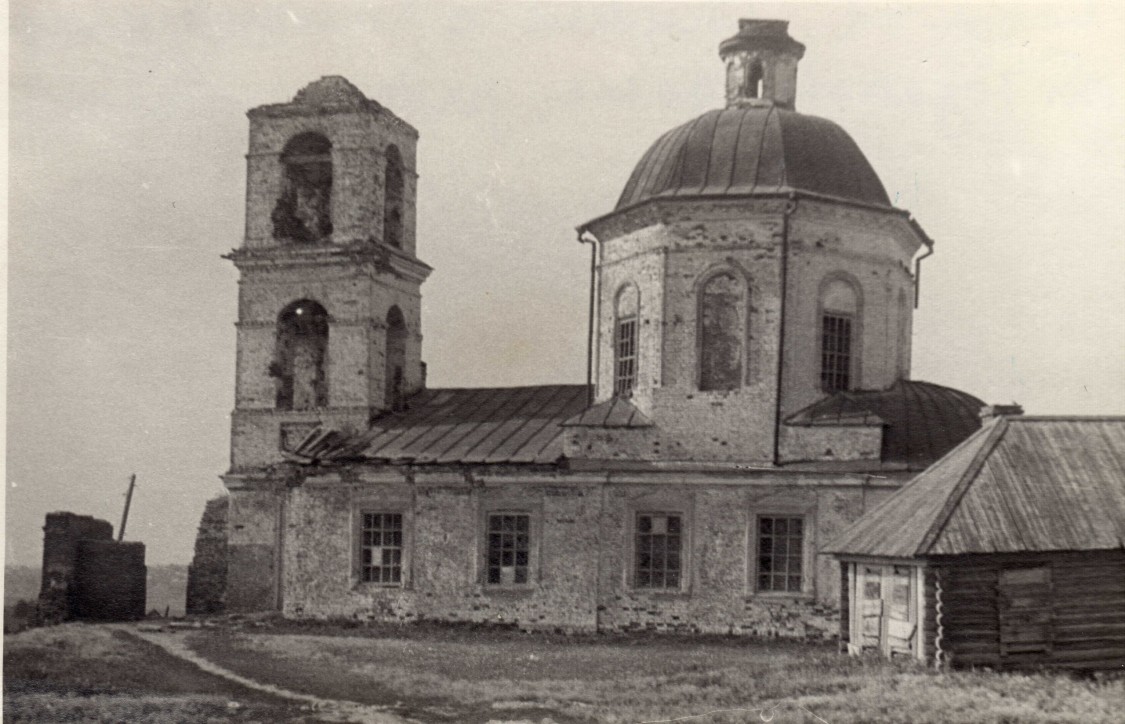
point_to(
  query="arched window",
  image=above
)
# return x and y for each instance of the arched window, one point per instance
(626, 313)
(839, 317)
(722, 328)
(395, 358)
(754, 78)
(303, 212)
(301, 356)
(393, 195)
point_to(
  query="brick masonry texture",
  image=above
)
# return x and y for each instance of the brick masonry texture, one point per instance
(581, 554)
(716, 458)
(207, 574)
(86, 574)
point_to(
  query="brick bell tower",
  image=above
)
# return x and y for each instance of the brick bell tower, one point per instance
(329, 319)
(329, 301)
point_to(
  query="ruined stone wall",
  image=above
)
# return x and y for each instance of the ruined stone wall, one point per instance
(87, 575)
(359, 140)
(111, 580)
(62, 532)
(357, 299)
(207, 574)
(582, 534)
(252, 548)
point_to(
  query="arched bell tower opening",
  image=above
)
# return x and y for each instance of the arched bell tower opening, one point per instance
(303, 212)
(329, 249)
(301, 356)
(393, 196)
(395, 359)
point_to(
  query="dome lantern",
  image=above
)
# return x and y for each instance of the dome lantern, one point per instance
(761, 63)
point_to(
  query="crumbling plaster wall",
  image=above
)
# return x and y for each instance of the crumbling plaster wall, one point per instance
(359, 140)
(207, 574)
(870, 249)
(582, 561)
(357, 299)
(252, 545)
(668, 247)
(669, 251)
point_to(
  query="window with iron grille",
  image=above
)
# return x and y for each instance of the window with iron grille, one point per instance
(625, 374)
(835, 352)
(659, 539)
(382, 548)
(509, 548)
(780, 553)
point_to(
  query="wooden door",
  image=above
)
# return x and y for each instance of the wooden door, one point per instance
(902, 616)
(871, 607)
(1026, 617)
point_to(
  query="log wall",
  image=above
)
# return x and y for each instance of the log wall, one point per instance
(1006, 611)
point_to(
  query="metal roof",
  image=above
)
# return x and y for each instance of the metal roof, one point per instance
(747, 150)
(922, 421)
(1019, 484)
(614, 412)
(475, 425)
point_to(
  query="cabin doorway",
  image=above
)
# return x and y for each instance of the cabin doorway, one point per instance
(1025, 614)
(885, 605)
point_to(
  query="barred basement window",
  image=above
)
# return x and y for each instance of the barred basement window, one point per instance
(835, 352)
(780, 553)
(626, 310)
(658, 545)
(382, 548)
(509, 548)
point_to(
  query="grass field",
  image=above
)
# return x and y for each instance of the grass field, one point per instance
(467, 673)
(433, 673)
(85, 673)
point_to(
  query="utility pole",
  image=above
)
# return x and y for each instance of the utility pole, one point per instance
(125, 514)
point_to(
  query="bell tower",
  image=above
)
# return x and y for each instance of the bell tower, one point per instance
(329, 307)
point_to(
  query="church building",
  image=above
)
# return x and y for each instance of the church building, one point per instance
(750, 391)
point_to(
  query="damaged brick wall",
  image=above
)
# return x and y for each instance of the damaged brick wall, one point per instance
(582, 554)
(62, 532)
(689, 357)
(207, 574)
(86, 574)
(112, 581)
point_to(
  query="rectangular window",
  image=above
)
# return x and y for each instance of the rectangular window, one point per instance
(780, 553)
(509, 548)
(625, 373)
(658, 544)
(835, 352)
(382, 548)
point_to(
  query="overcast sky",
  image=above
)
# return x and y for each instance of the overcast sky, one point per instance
(1000, 128)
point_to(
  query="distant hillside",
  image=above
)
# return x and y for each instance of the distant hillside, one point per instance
(167, 587)
(21, 583)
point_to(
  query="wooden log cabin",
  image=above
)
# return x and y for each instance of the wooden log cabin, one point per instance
(1009, 552)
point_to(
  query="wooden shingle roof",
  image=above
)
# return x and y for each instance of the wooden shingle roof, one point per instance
(1019, 484)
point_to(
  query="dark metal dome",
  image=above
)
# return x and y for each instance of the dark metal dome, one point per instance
(922, 421)
(746, 150)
